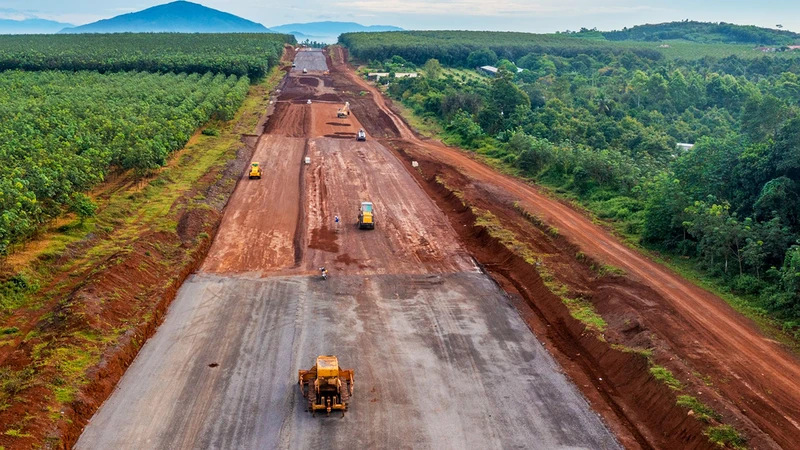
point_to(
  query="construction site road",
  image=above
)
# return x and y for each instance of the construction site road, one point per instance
(440, 362)
(441, 358)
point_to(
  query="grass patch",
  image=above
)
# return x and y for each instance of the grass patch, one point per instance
(425, 126)
(584, 311)
(607, 269)
(726, 436)
(702, 412)
(17, 433)
(665, 376)
(508, 238)
(646, 352)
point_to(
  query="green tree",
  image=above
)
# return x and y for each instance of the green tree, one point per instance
(532, 154)
(83, 206)
(505, 95)
(465, 127)
(433, 69)
(482, 57)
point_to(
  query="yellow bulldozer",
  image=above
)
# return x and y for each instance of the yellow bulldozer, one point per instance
(344, 111)
(326, 385)
(366, 216)
(255, 170)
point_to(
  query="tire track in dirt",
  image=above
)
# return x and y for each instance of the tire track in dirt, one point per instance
(411, 236)
(257, 233)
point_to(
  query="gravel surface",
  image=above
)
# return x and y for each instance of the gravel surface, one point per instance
(440, 362)
(312, 60)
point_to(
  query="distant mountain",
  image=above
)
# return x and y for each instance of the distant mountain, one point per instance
(31, 26)
(703, 32)
(175, 17)
(327, 31)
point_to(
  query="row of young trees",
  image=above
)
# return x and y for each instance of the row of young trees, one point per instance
(606, 127)
(61, 132)
(237, 54)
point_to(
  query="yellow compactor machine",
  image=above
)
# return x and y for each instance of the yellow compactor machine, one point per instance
(326, 385)
(366, 216)
(255, 170)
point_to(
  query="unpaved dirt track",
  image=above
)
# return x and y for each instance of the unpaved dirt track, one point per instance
(441, 359)
(257, 231)
(412, 235)
(760, 376)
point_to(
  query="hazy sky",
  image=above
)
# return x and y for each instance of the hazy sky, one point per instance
(512, 15)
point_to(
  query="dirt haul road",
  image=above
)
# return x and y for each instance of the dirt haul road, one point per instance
(753, 376)
(441, 359)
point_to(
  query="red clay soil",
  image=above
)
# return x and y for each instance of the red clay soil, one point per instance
(284, 222)
(720, 356)
(259, 226)
(413, 236)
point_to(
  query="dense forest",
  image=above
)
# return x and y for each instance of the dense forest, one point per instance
(61, 132)
(604, 127)
(465, 48)
(704, 32)
(239, 54)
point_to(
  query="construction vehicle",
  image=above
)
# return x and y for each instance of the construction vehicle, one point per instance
(326, 385)
(366, 216)
(344, 111)
(361, 136)
(255, 170)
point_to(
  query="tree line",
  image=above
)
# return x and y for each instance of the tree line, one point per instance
(703, 32)
(61, 132)
(605, 128)
(239, 54)
(468, 48)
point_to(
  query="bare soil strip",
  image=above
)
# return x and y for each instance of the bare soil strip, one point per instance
(257, 231)
(411, 236)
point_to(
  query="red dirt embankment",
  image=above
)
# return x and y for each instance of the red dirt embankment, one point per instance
(721, 357)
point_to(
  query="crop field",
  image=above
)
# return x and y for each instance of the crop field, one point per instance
(60, 133)
(232, 54)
